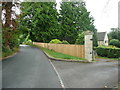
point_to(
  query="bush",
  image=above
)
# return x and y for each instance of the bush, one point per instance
(9, 41)
(28, 42)
(115, 42)
(80, 39)
(110, 52)
(56, 41)
(14, 40)
(65, 42)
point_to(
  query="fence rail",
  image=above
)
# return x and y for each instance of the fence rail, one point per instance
(73, 50)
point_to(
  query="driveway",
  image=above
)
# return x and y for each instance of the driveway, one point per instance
(30, 68)
(88, 75)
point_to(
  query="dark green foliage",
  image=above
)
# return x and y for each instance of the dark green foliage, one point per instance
(95, 40)
(14, 41)
(42, 22)
(115, 42)
(65, 42)
(24, 33)
(80, 39)
(114, 34)
(55, 41)
(108, 52)
(40, 18)
(10, 40)
(74, 18)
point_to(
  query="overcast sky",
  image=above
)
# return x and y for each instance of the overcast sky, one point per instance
(105, 13)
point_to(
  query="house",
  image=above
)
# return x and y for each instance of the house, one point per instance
(102, 38)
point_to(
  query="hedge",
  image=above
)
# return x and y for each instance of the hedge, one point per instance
(108, 52)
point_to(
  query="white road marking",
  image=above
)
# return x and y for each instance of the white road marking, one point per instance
(61, 82)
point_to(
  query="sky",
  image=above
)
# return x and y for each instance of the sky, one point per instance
(105, 13)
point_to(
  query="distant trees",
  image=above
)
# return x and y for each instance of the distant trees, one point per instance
(114, 34)
(114, 37)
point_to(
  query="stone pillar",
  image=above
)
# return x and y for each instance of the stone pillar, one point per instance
(88, 46)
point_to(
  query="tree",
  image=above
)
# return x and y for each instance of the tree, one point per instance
(114, 34)
(74, 18)
(41, 19)
(9, 25)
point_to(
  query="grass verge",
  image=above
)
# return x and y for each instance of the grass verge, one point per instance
(107, 58)
(58, 55)
(9, 53)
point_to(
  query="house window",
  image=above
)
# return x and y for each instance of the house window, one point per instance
(105, 41)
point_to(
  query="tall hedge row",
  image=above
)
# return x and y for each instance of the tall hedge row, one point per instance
(108, 52)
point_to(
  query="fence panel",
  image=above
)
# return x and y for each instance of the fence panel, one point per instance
(73, 50)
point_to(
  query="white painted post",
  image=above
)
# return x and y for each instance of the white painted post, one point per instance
(89, 46)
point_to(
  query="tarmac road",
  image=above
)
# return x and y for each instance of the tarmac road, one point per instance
(30, 68)
(88, 75)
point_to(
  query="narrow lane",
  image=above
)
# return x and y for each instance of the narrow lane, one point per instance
(30, 68)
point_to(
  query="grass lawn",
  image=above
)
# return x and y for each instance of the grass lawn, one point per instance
(108, 58)
(58, 55)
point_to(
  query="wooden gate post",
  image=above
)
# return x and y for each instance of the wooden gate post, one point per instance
(88, 46)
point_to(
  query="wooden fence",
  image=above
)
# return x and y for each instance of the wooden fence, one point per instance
(73, 50)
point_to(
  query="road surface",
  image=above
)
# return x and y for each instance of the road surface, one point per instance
(88, 75)
(30, 68)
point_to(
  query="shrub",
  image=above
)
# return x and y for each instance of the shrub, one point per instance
(110, 52)
(14, 41)
(80, 39)
(9, 41)
(28, 42)
(115, 42)
(56, 41)
(65, 42)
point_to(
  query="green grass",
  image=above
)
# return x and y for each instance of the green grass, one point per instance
(58, 55)
(9, 53)
(108, 58)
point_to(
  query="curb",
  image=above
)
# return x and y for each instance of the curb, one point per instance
(66, 60)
